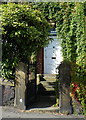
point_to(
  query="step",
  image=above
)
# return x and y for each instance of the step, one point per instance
(44, 83)
(49, 109)
(47, 83)
(48, 80)
(46, 77)
(49, 88)
(50, 76)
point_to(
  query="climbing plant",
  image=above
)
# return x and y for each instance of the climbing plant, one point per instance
(71, 29)
(24, 32)
(70, 19)
(49, 9)
(25, 25)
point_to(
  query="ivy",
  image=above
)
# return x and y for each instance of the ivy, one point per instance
(71, 29)
(70, 19)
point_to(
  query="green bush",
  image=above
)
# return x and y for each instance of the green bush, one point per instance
(24, 32)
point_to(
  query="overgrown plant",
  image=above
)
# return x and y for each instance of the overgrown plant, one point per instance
(71, 29)
(70, 19)
(24, 32)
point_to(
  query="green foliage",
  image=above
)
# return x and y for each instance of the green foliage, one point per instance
(49, 9)
(8, 68)
(24, 32)
(66, 26)
(82, 96)
(70, 18)
(71, 29)
(81, 42)
(78, 91)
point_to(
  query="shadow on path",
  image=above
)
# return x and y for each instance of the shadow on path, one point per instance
(43, 102)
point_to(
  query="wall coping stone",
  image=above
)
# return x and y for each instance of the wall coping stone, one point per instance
(6, 82)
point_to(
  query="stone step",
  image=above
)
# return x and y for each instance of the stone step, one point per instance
(50, 89)
(47, 83)
(49, 76)
(48, 79)
(48, 86)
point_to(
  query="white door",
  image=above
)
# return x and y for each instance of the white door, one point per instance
(52, 56)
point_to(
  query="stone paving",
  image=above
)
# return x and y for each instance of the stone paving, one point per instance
(42, 108)
(11, 112)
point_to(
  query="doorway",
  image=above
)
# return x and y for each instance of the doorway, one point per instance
(52, 54)
(46, 85)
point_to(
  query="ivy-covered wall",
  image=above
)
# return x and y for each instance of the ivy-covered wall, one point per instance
(71, 29)
(70, 19)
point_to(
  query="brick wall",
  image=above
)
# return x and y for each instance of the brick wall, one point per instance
(40, 61)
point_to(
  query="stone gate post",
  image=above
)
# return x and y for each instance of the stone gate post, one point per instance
(64, 88)
(1, 100)
(20, 85)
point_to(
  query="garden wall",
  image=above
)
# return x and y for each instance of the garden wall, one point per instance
(7, 93)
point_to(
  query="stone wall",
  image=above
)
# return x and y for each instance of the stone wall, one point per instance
(7, 92)
(7, 95)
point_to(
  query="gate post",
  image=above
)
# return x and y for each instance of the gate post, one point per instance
(20, 86)
(1, 95)
(64, 88)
